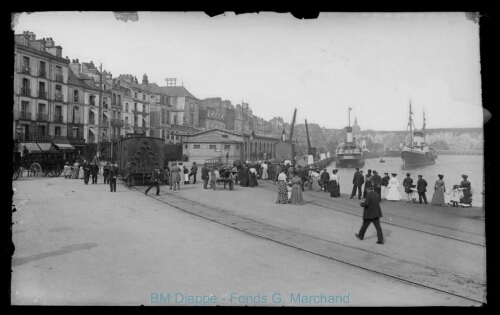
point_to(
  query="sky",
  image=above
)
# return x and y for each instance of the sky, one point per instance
(374, 63)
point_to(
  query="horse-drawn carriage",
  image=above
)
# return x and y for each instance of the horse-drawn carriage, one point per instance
(221, 174)
(44, 161)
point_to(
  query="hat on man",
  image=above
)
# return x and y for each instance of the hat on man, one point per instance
(375, 172)
(357, 169)
(464, 176)
(407, 174)
(419, 176)
(324, 170)
(394, 174)
(386, 173)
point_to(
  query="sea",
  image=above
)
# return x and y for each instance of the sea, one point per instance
(451, 166)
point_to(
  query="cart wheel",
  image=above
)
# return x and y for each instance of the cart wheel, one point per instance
(35, 170)
(15, 175)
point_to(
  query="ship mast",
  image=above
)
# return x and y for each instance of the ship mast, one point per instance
(411, 130)
(423, 127)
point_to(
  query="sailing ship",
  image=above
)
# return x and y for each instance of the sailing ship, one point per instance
(415, 151)
(349, 152)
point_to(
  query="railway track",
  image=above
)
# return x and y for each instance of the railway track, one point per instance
(394, 268)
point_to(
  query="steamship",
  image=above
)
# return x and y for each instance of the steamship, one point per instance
(416, 152)
(349, 153)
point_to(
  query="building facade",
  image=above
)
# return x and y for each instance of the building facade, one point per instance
(40, 90)
(211, 144)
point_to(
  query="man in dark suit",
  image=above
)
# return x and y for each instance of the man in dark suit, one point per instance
(407, 185)
(204, 175)
(112, 176)
(371, 214)
(94, 170)
(325, 178)
(194, 171)
(128, 175)
(156, 181)
(421, 189)
(357, 182)
(377, 184)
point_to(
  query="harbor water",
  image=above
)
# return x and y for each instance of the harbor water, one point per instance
(451, 166)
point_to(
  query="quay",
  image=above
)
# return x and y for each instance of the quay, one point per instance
(80, 244)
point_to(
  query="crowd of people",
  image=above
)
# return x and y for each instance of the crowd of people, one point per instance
(388, 189)
(291, 179)
(82, 169)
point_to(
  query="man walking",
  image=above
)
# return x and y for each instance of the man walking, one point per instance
(156, 181)
(204, 175)
(377, 183)
(325, 178)
(371, 214)
(105, 172)
(408, 181)
(385, 182)
(112, 176)
(94, 170)
(128, 175)
(421, 189)
(357, 182)
(194, 170)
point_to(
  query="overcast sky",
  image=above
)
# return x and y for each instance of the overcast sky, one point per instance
(374, 63)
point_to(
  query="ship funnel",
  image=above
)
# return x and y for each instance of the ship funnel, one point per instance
(349, 134)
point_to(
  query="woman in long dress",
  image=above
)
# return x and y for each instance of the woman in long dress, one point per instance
(315, 181)
(67, 170)
(74, 171)
(264, 171)
(282, 188)
(244, 176)
(439, 189)
(175, 176)
(466, 190)
(81, 172)
(252, 178)
(296, 198)
(333, 185)
(393, 189)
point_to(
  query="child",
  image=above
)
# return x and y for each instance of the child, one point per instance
(447, 197)
(455, 195)
(414, 193)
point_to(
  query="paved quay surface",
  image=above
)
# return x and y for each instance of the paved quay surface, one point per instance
(80, 244)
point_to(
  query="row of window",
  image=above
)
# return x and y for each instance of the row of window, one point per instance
(42, 69)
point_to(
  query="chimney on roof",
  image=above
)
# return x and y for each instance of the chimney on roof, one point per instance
(145, 79)
(50, 42)
(76, 67)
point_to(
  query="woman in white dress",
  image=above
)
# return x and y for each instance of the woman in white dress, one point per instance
(80, 174)
(264, 170)
(393, 189)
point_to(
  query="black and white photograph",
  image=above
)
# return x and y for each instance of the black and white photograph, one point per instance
(183, 158)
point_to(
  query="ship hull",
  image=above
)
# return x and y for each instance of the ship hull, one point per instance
(350, 162)
(416, 158)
